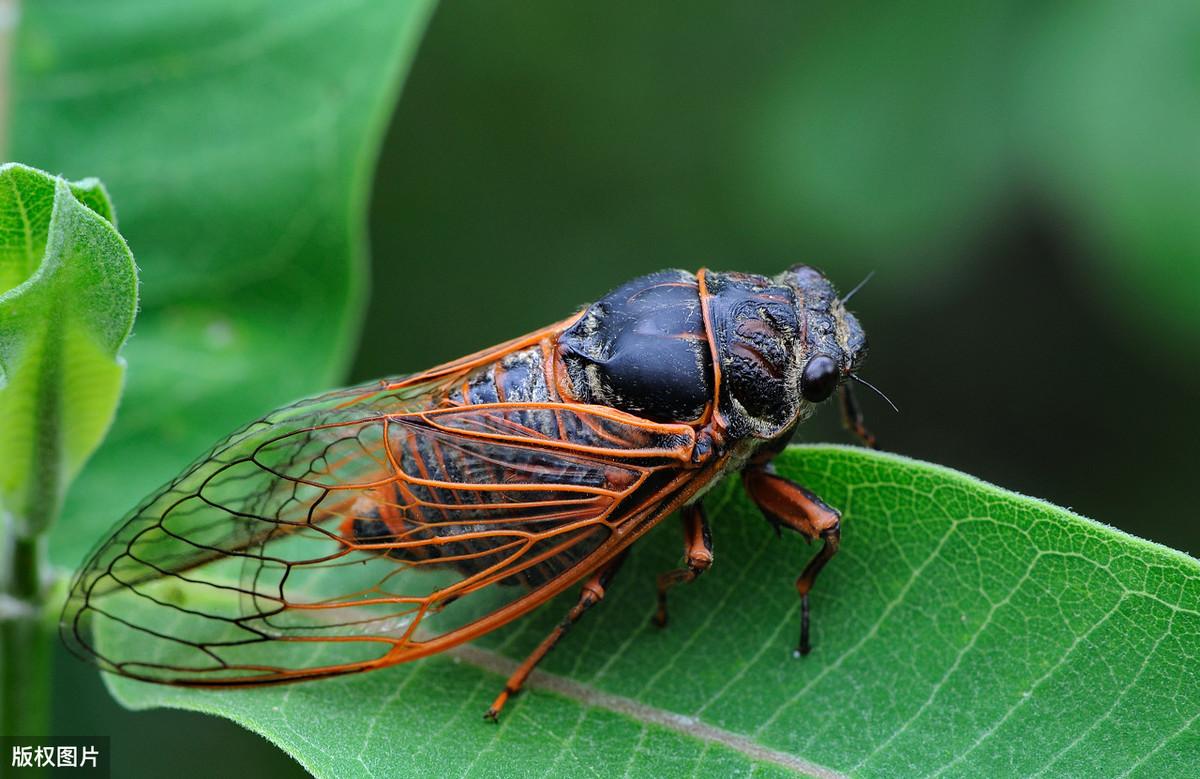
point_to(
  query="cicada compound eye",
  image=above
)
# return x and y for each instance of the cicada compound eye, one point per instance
(819, 379)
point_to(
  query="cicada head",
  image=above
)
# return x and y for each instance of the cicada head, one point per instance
(784, 344)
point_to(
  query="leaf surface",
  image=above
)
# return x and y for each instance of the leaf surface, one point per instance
(962, 631)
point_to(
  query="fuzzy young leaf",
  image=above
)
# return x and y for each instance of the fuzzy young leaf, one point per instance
(962, 631)
(68, 296)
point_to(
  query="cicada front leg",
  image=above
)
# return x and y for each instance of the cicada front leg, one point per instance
(697, 548)
(852, 418)
(593, 593)
(787, 504)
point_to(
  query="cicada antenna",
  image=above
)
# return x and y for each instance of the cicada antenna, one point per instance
(871, 386)
(846, 298)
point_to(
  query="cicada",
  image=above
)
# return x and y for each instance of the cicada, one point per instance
(385, 522)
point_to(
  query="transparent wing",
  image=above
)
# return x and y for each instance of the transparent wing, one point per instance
(364, 527)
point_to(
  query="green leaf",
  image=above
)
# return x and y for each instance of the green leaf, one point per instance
(962, 631)
(239, 137)
(68, 297)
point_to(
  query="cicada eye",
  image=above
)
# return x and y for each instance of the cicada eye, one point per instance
(819, 379)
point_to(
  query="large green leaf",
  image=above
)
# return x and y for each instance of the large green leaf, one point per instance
(68, 295)
(239, 137)
(963, 631)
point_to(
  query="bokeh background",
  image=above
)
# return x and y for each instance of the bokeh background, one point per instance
(1023, 178)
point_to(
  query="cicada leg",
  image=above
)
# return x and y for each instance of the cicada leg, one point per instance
(852, 418)
(697, 548)
(593, 593)
(786, 504)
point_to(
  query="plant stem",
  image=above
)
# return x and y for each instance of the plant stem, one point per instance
(24, 639)
(25, 647)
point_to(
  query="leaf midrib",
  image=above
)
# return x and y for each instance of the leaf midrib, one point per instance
(498, 664)
(47, 455)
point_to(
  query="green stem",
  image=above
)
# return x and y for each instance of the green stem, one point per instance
(25, 581)
(25, 647)
(25, 642)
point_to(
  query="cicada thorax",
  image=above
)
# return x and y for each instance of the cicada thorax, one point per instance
(642, 348)
(720, 348)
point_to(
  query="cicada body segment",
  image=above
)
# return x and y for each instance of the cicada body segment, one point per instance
(642, 348)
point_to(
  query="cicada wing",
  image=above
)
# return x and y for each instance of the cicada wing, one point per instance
(361, 528)
(187, 567)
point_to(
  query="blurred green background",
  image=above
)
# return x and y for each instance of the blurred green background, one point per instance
(1023, 177)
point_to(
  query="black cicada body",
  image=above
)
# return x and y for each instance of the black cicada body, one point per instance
(377, 524)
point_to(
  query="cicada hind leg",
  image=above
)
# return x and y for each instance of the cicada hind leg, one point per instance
(593, 593)
(787, 504)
